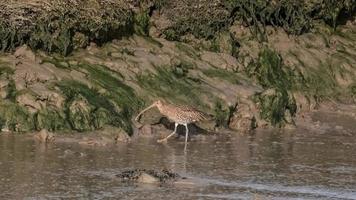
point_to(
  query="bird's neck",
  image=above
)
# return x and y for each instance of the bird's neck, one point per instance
(163, 108)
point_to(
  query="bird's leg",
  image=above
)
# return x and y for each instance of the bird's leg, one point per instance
(174, 132)
(186, 133)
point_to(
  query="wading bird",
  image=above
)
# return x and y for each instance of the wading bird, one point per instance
(183, 115)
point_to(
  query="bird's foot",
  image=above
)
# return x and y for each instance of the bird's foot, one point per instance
(162, 140)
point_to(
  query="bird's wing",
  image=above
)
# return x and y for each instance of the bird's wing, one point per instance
(199, 115)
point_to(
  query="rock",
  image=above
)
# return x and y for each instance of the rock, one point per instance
(29, 102)
(44, 136)
(50, 119)
(231, 62)
(3, 93)
(56, 100)
(154, 32)
(149, 176)
(277, 106)
(122, 136)
(113, 134)
(214, 59)
(116, 55)
(92, 48)
(25, 52)
(225, 43)
(146, 178)
(80, 40)
(79, 114)
(4, 88)
(100, 118)
(73, 62)
(220, 60)
(243, 118)
(4, 83)
(146, 131)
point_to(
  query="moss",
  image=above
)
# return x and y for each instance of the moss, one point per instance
(57, 62)
(201, 19)
(333, 11)
(6, 73)
(274, 104)
(142, 20)
(50, 119)
(317, 82)
(115, 107)
(54, 27)
(352, 89)
(5, 70)
(79, 113)
(15, 117)
(187, 49)
(171, 35)
(232, 77)
(153, 41)
(206, 19)
(222, 114)
(320, 83)
(166, 84)
(127, 51)
(278, 80)
(182, 68)
(100, 118)
(11, 91)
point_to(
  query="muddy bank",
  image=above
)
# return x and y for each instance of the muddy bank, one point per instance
(243, 81)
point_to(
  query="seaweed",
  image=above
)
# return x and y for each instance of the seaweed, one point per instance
(167, 84)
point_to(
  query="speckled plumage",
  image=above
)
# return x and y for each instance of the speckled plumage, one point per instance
(183, 115)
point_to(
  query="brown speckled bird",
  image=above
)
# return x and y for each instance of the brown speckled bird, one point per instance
(183, 115)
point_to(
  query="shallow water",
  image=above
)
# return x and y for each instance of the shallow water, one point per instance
(266, 165)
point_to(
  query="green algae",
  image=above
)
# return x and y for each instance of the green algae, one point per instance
(14, 117)
(50, 119)
(232, 77)
(274, 104)
(115, 106)
(222, 114)
(142, 22)
(54, 27)
(190, 51)
(165, 83)
(6, 72)
(278, 81)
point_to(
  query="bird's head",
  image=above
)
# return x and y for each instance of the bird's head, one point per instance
(158, 103)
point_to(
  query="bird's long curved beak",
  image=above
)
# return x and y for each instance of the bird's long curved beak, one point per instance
(149, 107)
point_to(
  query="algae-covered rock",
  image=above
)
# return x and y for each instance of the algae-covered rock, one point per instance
(15, 117)
(274, 104)
(79, 114)
(80, 40)
(25, 52)
(50, 119)
(29, 101)
(51, 25)
(149, 176)
(243, 118)
(100, 118)
(226, 43)
(3, 88)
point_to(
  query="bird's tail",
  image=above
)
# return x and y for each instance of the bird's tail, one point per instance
(207, 117)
